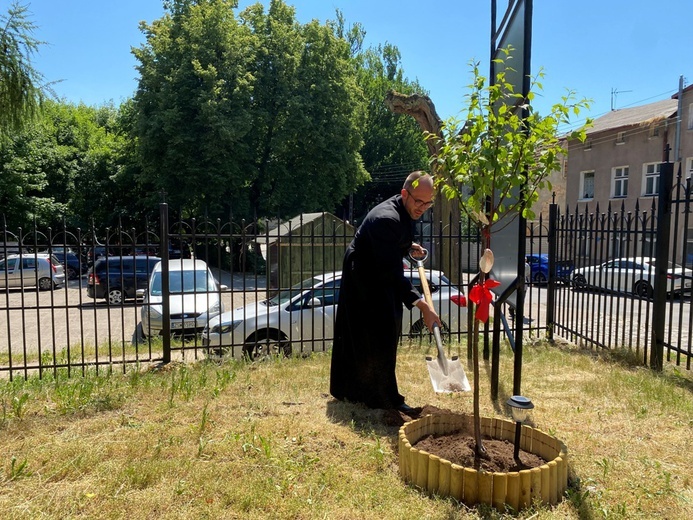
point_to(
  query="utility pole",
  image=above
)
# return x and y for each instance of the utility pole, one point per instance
(679, 113)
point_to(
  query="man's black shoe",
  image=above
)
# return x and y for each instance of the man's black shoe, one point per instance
(405, 408)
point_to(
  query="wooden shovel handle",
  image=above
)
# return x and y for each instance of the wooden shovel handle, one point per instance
(424, 284)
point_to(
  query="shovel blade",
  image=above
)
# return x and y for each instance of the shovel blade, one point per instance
(455, 380)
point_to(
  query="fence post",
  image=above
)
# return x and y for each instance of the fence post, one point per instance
(550, 292)
(666, 175)
(165, 289)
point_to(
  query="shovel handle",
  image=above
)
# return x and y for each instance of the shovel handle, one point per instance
(442, 361)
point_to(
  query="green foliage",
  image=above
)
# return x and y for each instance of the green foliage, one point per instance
(393, 143)
(260, 107)
(63, 165)
(20, 83)
(495, 162)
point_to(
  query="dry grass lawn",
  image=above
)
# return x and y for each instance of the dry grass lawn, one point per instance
(267, 441)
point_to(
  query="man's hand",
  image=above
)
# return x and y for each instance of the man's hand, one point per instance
(417, 252)
(430, 316)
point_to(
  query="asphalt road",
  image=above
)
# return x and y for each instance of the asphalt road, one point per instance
(49, 321)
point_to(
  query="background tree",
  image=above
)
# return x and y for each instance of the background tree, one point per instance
(191, 108)
(20, 84)
(61, 166)
(394, 145)
(307, 115)
(252, 116)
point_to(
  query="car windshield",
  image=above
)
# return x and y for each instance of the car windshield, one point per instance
(289, 294)
(184, 282)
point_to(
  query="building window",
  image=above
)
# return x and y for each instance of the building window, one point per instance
(689, 167)
(587, 185)
(620, 138)
(654, 131)
(588, 145)
(650, 180)
(619, 182)
(690, 116)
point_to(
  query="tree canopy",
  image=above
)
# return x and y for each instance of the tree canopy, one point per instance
(245, 114)
(248, 115)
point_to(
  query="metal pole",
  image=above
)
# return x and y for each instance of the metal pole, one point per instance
(516, 451)
(666, 175)
(551, 294)
(165, 289)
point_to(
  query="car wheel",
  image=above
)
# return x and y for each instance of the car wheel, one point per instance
(579, 281)
(139, 331)
(643, 289)
(72, 273)
(540, 279)
(267, 346)
(419, 331)
(45, 284)
(115, 296)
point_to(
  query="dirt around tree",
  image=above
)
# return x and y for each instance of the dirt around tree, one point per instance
(459, 448)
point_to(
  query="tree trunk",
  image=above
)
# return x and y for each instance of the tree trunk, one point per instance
(445, 212)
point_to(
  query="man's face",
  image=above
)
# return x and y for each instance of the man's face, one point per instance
(418, 199)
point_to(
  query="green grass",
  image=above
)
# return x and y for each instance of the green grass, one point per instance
(266, 440)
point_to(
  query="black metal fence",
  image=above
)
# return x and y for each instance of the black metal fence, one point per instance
(95, 319)
(101, 316)
(617, 297)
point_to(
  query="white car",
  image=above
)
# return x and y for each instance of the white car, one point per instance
(632, 275)
(194, 298)
(307, 311)
(31, 270)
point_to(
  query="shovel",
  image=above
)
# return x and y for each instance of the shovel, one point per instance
(447, 376)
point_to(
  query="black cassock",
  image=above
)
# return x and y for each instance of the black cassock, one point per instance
(369, 314)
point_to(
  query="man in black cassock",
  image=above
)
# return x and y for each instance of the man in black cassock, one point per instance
(373, 288)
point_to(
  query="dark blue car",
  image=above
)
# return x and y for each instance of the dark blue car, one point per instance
(539, 268)
(74, 267)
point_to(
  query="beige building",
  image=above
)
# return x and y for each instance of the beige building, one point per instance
(619, 163)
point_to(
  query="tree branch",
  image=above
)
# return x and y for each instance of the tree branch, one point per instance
(422, 109)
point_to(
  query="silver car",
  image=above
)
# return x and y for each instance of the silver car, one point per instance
(194, 298)
(31, 270)
(632, 275)
(306, 313)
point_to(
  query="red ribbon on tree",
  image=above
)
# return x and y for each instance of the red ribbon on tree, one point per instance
(482, 296)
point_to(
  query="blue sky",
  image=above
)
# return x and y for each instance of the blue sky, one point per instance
(595, 47)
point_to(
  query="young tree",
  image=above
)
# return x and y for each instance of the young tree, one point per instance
(493, 165)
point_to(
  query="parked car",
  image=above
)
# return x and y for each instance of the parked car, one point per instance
(117, 278)
(307, 311)
(31, 270)
(194, 298)
(73, 266)
(178, 248)
(632, 275)
(539, 268)
(12, 248)
(97, 252)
